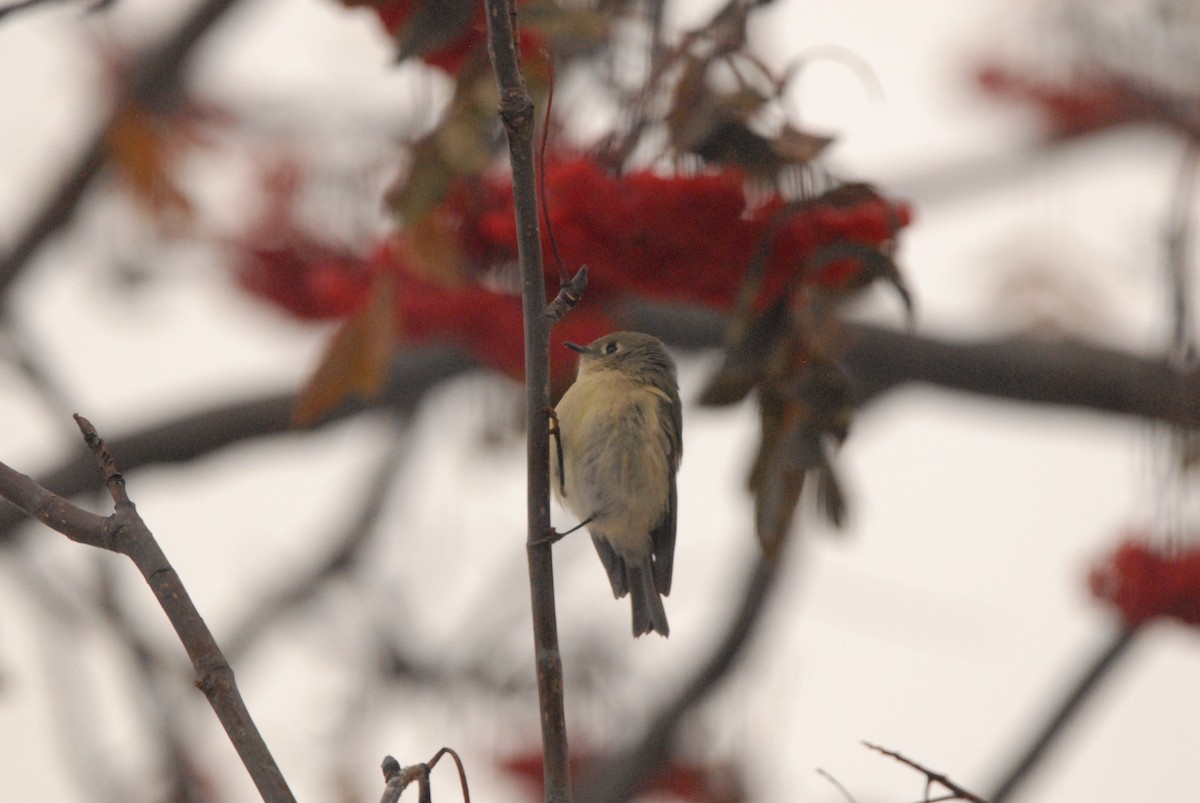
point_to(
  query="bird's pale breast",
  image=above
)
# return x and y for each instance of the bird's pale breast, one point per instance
(617, 459)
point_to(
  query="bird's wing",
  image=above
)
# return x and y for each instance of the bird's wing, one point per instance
(663, 536)
(662, 539)
(613, 564)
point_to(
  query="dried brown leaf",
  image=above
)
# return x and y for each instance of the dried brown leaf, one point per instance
(355, 362)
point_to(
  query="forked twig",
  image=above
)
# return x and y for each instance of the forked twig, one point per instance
(397, 778)
(931, 777)
(124, 532)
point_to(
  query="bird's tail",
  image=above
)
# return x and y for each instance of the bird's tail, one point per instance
(648, 612)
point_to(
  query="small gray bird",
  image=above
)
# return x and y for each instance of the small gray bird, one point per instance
(620, 426)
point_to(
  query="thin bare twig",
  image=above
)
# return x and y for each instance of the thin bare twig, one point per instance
(124, 532)
(878, 360)
(397, 778)
(837, 785)
(72, 710)
(394, 780)
(462, 772)
(1063, 373)
(517, 115)
(23, 5)
(931, 777)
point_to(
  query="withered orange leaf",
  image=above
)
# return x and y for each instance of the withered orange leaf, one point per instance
(355, 362)
(143, 150)
(777, 478)
(433, 253)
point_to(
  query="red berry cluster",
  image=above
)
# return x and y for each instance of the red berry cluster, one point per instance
(1145, 582)
(1069, 108)
(670, 238)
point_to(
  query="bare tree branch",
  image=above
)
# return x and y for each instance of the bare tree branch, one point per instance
(21, 5)
(1057, 372)
(124, 532)
(878, 360)
(931, 777)
(195, 435)
(396, 777)
(517, 114)
(178, 758)
(1063, 373)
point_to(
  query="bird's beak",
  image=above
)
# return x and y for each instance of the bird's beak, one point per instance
(576, 347)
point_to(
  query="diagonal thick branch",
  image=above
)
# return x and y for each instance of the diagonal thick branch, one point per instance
(125, 532)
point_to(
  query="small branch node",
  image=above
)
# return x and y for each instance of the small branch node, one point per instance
(568, 296)
(931, 777)
(108, 464)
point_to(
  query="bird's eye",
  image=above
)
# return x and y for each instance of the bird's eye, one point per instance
(611, 347)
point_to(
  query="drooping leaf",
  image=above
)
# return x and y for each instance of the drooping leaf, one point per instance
(746, 360)
(794, 146)
(355, 363)
(433, 253)
(144, 152)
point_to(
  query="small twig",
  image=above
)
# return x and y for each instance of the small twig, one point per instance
(541, 173)
(394, 778)
(125, 532)
(568, 296)
(836, 785)
(397, 778)
(22, 354)
(878, 360)
(72, 708)
(1070, 705)
(462, 772)
(931, 777)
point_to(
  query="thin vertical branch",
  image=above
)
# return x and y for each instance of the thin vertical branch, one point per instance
(517, 114)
